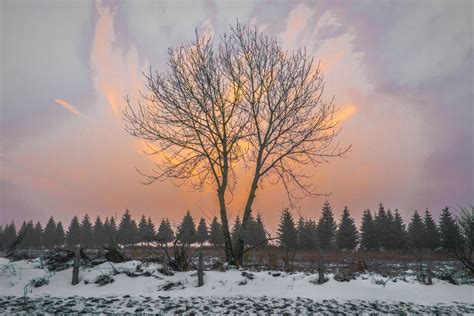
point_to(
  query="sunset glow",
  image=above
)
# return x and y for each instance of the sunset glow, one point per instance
(404, 99)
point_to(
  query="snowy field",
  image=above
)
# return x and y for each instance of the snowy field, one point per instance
(26, 286)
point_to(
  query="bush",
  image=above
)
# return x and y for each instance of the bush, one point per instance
(104, 279)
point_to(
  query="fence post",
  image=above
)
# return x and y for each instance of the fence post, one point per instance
(429, 273)
(75, 267)
(200, 270)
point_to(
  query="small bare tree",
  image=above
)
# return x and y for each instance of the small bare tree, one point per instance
(250, 101)
(290, 125)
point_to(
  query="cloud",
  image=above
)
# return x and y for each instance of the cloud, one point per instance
(116, 71)
(68, 106)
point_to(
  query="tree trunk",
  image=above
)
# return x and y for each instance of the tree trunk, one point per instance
(429, 280)
(75, 268)
(229, 253)
(200, 270)
(239, 246)
(321, 277)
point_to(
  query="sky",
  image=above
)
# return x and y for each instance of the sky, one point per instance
(401, 73)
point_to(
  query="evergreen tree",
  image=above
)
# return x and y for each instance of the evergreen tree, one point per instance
(326, 228)
(399, 231)
(165, 232)
(111, 234)
(347, 234)
(249, 232)
(142, 229)
(37, 236)
(27, 230)
(87, 237)
(22, 233)
(449, 230)
(416, 232)
(260, 235)
(391, 237)
(382, 226)
(187, 230)
(202, 234)
(50, 234)
(431, 232)
(236, 229)
(150, 230)
(73, 236)
(37, 239)
(307, 234)
(99, 233)
(127, 231)
(368, 232)
(9, 235)
(59, 236)
(287, 233)
(216, 237)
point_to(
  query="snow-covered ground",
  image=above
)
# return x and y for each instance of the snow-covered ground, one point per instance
(144, 285)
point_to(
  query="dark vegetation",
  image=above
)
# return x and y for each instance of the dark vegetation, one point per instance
(297, 244)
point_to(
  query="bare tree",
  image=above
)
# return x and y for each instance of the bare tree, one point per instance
(192, 113)
(250, 101)
(290, 125)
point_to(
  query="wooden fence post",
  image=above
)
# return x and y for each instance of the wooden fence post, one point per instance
(200, 270)
(429, 273)
(75, 267)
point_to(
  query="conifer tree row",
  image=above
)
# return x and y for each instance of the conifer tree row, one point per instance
(382, 230)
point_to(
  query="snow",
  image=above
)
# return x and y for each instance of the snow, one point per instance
(15, 277)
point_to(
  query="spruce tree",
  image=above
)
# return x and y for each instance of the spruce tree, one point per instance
(111, 231)
(307, 234)
(87, 237)
(216, 237)
(236, 228)
(449, 230)
(59, 236)
(400, 234)
(248, 234)
(22, 234)
(127, 231)
(187, 230)
(142, 229)
(9, 235)
(431, 232)
(368, 232)
(287, 233)
(165, 232)
(347, 234)
(391, 237)
(37, 238)
(73, 236)
(382, 226)
(27, 230)
(50, 234)
(150, 230)
(99, 233)
(260, 234)
(202, 233)
(326, 228)
(416, 232)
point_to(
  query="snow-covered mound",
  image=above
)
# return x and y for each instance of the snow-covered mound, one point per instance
(137, 279)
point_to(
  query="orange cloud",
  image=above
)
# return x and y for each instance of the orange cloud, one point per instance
(116, 74)
(68, 106)
(345, 113)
